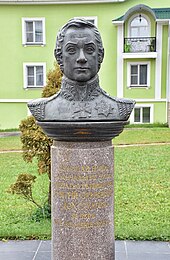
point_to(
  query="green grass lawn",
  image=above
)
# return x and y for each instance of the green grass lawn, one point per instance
(10, 143)
(142, 205)
(142, 192)
(143, 136)
(15, 212)
(129, 136)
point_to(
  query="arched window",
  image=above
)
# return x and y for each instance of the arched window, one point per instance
(139, 27)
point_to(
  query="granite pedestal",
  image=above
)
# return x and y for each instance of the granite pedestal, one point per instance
(82, 201)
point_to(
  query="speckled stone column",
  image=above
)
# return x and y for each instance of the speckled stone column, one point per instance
(82, 201)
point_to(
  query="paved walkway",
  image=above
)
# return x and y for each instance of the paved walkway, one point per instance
(125, 250)
(6, 134)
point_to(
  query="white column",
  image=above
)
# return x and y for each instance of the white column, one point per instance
(168, 66)
(168, 79)
(158, 72)
(120, 45)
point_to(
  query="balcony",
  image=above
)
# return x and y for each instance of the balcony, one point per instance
(138, 45)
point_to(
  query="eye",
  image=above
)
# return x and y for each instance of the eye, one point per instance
(71, 49)
(90, 49)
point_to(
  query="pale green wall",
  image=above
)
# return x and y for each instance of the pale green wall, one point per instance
(12, 114)
(151, 3)
(13, 54)
(160, 112)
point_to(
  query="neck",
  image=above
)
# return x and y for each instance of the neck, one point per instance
(84, 91)
(79, 83)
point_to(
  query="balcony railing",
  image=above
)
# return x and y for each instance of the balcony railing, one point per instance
(143, 44)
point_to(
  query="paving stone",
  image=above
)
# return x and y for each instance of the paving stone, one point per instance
(16, 255)
(143, 256)
(147, 247)
(43, 256)
(45, 246)
(24, 246)
(125, 250)
(120, 246)
(121, 256)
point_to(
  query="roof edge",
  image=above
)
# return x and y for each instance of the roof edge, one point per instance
(139, 7)
(40, 2)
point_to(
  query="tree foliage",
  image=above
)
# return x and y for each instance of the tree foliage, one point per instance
(35, 143)
(53, 81)
(23, 186)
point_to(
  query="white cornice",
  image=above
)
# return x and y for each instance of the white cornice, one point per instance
(140, 55)
(117, 22)
(150, 100)
(56, 2)
(8, 100)
(163, 21)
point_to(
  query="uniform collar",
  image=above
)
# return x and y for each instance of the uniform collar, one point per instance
(72, 90)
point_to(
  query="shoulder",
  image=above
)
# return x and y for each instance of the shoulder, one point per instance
(37, 106)
(124, 106)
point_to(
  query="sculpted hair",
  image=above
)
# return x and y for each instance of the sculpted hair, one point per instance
(78, 23)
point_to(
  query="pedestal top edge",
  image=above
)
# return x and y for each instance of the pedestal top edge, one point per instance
(81, 145)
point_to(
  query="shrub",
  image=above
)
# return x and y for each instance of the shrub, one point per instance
(35, 143)
(53, 81)
(23, 186)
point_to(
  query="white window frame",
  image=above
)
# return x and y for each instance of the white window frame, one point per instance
(132, 18)
(141, 106)
(33, 64)
(32, 19)
(88, 18)
(129, 74)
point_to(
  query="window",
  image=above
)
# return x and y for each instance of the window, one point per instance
(138, 74)
(34, 75)
(139, 32)
(139, 27)
(142, 114)
(92, 19)
(33, 31)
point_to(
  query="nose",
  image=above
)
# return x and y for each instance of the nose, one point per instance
(81, 58)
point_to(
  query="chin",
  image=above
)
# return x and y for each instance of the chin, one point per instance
(82, 78)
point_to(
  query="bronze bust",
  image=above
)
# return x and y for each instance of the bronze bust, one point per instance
(79, 52)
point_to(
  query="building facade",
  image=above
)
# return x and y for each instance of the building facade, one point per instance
(137, 47)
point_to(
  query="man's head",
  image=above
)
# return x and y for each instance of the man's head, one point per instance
(79, 50)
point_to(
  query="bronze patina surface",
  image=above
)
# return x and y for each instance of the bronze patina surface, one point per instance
(79, 52)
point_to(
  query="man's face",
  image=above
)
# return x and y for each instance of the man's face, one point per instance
(80, 54)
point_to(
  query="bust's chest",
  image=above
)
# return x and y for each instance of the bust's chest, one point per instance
(100, 108)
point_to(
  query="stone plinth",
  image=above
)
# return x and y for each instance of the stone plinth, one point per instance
(82, 201)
